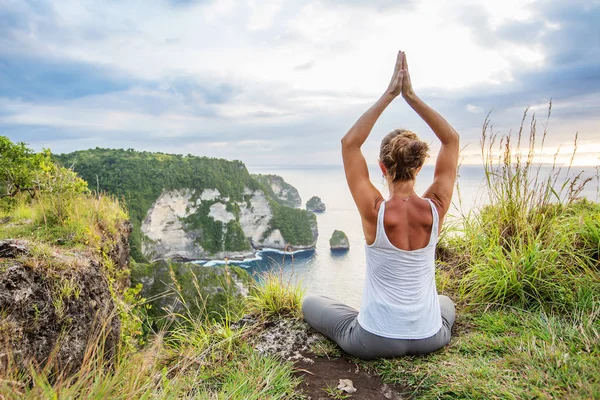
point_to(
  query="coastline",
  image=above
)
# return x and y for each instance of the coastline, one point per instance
(258, 256)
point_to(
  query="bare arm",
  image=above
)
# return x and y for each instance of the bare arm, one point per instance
(365, 195)
(447, 161)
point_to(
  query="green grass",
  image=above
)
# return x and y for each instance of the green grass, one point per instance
(275, 297)
(64, 219)
(507, 354)
(535, 243)
(325, 348)
(258, 378)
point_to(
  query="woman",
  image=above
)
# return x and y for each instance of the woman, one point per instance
(401, 312)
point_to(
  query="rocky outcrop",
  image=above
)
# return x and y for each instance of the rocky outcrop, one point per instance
(53, 304)
(315, 204)
(339, 241)
(284, 193)
(285, 338)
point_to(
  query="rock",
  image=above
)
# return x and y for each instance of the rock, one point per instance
(315, 204)
(339, 241)
(206, 291)
(165, 236)
(347, 386)
(284, 193)
(12, 248)
(54, 305)
(285, 338)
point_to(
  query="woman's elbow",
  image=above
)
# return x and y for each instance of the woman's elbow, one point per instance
(451, 138)
(348, 141)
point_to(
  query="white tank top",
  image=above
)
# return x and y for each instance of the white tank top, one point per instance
(400, 299)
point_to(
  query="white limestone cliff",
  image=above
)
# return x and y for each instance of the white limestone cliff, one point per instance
(166, 237)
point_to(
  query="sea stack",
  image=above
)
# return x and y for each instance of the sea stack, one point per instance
(315, 204)
(339, 241)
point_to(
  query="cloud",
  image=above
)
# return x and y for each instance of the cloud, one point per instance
(305, 66)
(269, 80)
(43, 79)
(186, 2)
(380, 5)
(474, 109)
(192, 91)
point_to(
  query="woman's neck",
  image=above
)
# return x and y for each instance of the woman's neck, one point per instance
(403, 189)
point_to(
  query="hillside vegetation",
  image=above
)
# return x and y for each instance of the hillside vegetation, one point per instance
(140, 177)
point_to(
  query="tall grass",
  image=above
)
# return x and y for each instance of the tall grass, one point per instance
(276, 297)
(191, 358)
(66, 219)
(535, 243)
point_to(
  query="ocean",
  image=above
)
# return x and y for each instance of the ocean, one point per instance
(341, 275)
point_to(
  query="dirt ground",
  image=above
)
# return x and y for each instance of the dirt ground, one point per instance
(291, 340)
(323, 373)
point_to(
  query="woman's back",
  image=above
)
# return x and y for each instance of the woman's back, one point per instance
(407, 222)
(399, 297)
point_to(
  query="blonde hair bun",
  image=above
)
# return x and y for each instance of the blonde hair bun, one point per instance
(403, 153)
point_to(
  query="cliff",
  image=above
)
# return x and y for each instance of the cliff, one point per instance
(64, 264)
(284, 193)
(187, 207)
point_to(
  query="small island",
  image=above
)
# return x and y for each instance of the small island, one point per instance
(315, 204)
(339, 241)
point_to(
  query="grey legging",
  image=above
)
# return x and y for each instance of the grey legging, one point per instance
(338, 322)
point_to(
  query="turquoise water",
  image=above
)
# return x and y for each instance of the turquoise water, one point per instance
(341, 275)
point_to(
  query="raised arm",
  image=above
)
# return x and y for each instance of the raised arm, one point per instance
(446, 164)
(365, 195)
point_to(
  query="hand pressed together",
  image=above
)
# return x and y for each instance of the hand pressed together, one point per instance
(400, 82)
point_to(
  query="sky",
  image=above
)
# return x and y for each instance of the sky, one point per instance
(277, 82)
